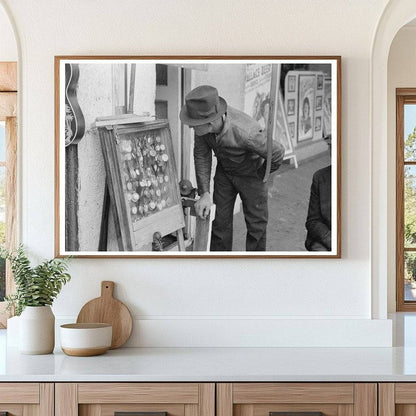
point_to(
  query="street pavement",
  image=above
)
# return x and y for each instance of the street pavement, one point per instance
(288, 207)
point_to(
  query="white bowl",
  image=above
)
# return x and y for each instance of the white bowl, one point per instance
(83, 340)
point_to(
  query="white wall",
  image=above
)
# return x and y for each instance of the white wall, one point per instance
(8, 47)
(401, 74)
(211, 302)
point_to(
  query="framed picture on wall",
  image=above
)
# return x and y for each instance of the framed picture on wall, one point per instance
(307, 90)
(145, 145)
(318, 102)
(291, 83)
(290, 107)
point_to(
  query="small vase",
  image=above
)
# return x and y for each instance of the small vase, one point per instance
(37, 330)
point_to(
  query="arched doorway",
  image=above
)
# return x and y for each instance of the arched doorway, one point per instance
(396, 14)
(8, 148)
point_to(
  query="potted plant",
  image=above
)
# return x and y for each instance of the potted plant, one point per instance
(36, 289)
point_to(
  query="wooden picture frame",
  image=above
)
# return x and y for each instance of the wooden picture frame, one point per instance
(95, 211)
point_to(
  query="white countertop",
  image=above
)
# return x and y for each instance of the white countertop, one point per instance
(213, 364)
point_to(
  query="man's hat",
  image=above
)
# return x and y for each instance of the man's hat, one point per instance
(202, 105)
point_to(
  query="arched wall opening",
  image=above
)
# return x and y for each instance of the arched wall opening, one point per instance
(9, 59)
(401, 73)
(8, 44)
(397, 14)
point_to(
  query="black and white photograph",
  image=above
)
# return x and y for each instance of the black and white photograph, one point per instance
(192, 157)
(290, 107)
(291, 83)
(318, 103)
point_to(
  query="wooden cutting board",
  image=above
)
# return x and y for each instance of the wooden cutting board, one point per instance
(107, 309)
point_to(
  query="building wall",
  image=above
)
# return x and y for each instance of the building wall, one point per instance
(211, 302)
(95, 98)
(229, 81)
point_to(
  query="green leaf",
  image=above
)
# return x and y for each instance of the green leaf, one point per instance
(35, 286)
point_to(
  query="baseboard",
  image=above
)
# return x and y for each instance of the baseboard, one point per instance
(165, 332)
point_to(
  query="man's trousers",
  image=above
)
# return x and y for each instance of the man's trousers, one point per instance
(254, 194)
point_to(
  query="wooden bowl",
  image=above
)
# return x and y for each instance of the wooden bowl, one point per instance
(84, 340)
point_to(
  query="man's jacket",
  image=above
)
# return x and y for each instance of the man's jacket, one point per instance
(318, 222)
(240, 148)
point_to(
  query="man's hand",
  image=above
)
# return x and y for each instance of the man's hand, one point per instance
(203, 205)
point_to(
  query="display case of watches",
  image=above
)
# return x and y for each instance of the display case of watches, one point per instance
(141, 179)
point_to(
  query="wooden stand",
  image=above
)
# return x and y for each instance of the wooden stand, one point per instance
(203, 227)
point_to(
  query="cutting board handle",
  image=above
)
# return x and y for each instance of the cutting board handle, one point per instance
(107, 289)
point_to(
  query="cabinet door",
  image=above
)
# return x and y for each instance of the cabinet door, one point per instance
(145, 399)
(296, 399)
(397, 399)
(26, 399)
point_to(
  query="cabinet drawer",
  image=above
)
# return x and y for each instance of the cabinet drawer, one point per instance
(21, 399)
(107, 399)
(19, 393)
(296, 399)
(397, 399)
(142, 409)
(138, 393)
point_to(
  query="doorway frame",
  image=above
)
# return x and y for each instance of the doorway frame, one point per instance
(8, 113)
(396, 14)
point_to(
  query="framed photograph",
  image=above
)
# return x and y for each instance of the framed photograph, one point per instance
(145, 145)
(291, 83)
(290, 107)
(318, 103)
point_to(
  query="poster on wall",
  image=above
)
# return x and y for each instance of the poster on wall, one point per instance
(306, 106)
(304, 94)
(257, 91)
(257, 103)
(135, 142)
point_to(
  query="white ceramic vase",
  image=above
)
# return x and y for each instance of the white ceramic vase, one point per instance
(37, 330)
